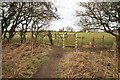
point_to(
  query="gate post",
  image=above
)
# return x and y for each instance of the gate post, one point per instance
(75, 40)
(58, 38)
(63, 41)
(55, 36)
(103, 38)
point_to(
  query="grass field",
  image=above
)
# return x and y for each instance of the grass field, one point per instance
(98, 38)
(23, 60)
(108, 39)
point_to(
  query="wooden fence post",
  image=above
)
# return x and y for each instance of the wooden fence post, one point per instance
(103, 39)
(58, 38)
(55, 36)
(75, 40)
(63, 41)
(82, 41)
(93, 41)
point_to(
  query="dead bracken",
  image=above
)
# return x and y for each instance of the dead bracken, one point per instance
(88, 65)
(20, 61)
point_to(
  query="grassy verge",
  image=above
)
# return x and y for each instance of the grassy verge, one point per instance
(20, 62)
(87, 65)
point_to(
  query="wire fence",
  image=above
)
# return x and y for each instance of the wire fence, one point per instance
(76, 40)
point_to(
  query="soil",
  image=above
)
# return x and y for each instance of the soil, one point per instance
(48, 69)
(78, 59)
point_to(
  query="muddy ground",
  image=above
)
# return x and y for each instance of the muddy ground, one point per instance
(45, 61)
(48, 69)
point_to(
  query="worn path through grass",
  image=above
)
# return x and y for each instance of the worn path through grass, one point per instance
(48, 69)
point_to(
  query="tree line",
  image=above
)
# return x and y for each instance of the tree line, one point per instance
(34, 16)
(25, 16)
(101, 15)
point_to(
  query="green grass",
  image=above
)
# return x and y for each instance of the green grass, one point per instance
(108, 39)
(26, 65)
(98, 38)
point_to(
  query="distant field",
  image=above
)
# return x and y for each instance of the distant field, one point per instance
(98, 38)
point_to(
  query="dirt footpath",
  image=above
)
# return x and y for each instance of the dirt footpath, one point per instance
(48, 69)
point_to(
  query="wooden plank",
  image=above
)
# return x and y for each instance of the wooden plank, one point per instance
(80, 37)
(118, 76)
(70, 45)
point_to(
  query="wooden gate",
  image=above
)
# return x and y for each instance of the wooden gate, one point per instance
(65, 39)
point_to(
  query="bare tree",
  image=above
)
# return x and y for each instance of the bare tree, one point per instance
(10, 17)
(102, 15)
(15, 14)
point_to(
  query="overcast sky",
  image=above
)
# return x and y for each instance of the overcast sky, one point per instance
(66, 10)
